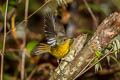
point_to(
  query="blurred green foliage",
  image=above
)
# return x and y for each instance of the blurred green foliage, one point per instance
(11, 5)
(94, 7)
(1, 45)
(6, 77)
(31, 45)
(117, 3)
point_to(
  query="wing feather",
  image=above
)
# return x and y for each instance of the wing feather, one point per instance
(49, 23)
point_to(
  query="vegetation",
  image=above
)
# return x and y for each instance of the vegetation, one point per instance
(22, 29)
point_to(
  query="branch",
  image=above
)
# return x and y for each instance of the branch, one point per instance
(91, 13)
(4, 41)
(105, 32)
(24, 41)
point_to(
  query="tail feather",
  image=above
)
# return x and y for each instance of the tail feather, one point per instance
(42, 48)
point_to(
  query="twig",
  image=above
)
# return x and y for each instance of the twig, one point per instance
(32, 73)
(30, 16)
(82, 72)
(4, 41)
(12, 50)
(84, 69)
(24, 40)
(91, 13)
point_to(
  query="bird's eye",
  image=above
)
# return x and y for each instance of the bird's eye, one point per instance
(64, 39)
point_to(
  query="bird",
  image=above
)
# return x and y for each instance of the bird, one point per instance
(58, 44)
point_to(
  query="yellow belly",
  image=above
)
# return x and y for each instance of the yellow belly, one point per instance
(60, 52)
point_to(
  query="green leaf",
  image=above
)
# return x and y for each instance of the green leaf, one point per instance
(118, 45)
(108, 59)
(31, 45)
(97, 67)
(115, 48)
(98, 54)
(115, 59)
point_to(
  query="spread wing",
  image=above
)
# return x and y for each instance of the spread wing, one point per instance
(49, 25)
(52, 29)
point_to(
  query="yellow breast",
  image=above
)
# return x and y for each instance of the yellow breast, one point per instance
(61, 50)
